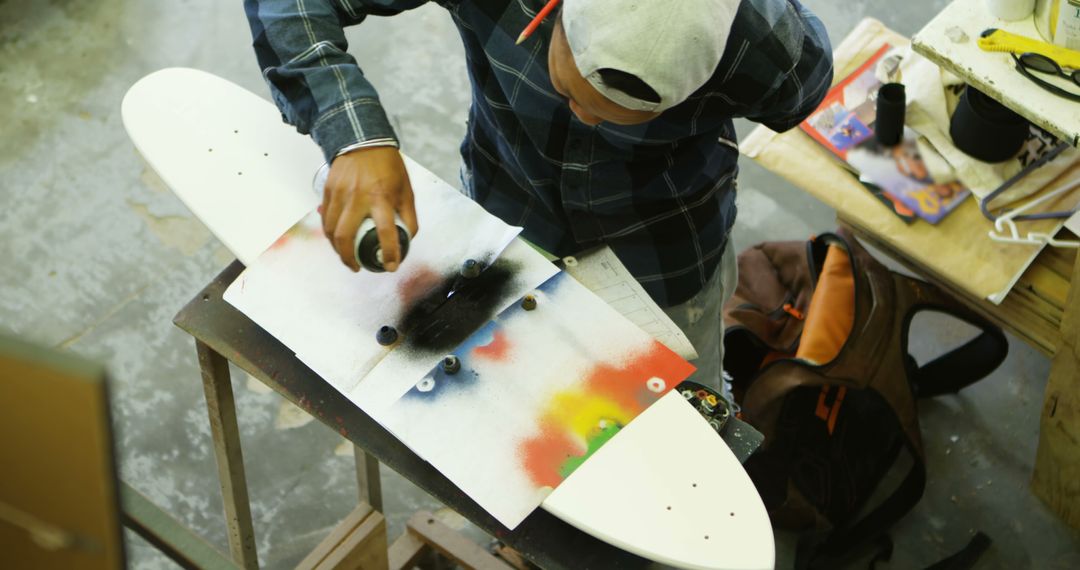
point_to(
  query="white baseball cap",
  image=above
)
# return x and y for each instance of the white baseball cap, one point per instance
(674, 46)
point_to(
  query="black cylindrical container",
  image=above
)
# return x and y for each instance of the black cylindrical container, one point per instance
(889, 119)
(985, 129)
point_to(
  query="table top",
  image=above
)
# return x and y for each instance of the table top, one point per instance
(544, 539)
(955, 253)
(994, 73)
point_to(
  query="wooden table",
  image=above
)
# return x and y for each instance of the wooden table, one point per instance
(1057, 464)
(224, 334)
(1042, 309)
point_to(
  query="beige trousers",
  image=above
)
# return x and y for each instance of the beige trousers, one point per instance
(701, 320)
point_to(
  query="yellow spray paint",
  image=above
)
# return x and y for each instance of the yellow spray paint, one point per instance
(584, 414)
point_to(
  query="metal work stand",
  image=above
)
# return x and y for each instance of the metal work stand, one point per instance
(223, 334)
(230, 460)
(225, 431)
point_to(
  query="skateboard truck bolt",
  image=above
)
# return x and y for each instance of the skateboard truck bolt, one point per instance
(470, 269)
(386, 335)
(451, 364)
(528, 302)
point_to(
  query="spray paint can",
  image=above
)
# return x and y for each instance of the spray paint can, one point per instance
(366, 248)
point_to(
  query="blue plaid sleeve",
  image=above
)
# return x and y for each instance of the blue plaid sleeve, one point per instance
(779, 63)
(320, 89)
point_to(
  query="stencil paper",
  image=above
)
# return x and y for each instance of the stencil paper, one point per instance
(300, 292)
(537, 393)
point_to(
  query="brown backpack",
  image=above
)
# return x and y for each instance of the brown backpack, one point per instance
(816, 344)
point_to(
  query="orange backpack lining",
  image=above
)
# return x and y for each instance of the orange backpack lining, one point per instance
(831, 315)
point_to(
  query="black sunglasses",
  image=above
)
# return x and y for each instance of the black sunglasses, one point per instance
(1029, 62)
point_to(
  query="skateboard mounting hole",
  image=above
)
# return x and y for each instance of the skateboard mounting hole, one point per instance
(669, 507)
(431, 521)
(209, 150)
(206, 297)
(239, 173)
(732, 514)
(266, 154)
(706, 537)
(236, 132)
(694, 485)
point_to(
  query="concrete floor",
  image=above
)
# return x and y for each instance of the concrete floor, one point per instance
(97, 256)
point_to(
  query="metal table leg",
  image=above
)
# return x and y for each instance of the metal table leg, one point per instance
(368, 482)
(230, 461)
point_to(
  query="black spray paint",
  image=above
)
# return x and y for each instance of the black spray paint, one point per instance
(440, 321)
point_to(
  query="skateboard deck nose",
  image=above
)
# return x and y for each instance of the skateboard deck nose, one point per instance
(669, 489)
(225, 157)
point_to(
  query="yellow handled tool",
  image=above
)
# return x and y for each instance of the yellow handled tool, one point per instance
(994, 39)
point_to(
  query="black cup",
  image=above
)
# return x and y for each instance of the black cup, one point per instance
(985, 129)
(889, 115)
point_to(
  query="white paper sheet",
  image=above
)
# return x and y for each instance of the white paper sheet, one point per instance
(1073, 223)
(537, 392)
(600, 271)
(300, 292)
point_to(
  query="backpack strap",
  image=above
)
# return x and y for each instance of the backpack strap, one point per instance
(828, 550)
(966, 558)
(962, 366)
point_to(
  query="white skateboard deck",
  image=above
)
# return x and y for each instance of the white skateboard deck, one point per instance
(666, 487)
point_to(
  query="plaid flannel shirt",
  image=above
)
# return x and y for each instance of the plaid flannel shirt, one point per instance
(660, 194)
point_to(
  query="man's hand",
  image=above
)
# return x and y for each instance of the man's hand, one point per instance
(362, 183)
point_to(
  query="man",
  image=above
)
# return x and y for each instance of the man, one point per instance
(611, 124)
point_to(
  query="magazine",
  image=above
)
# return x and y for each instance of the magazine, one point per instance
(844, 124)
